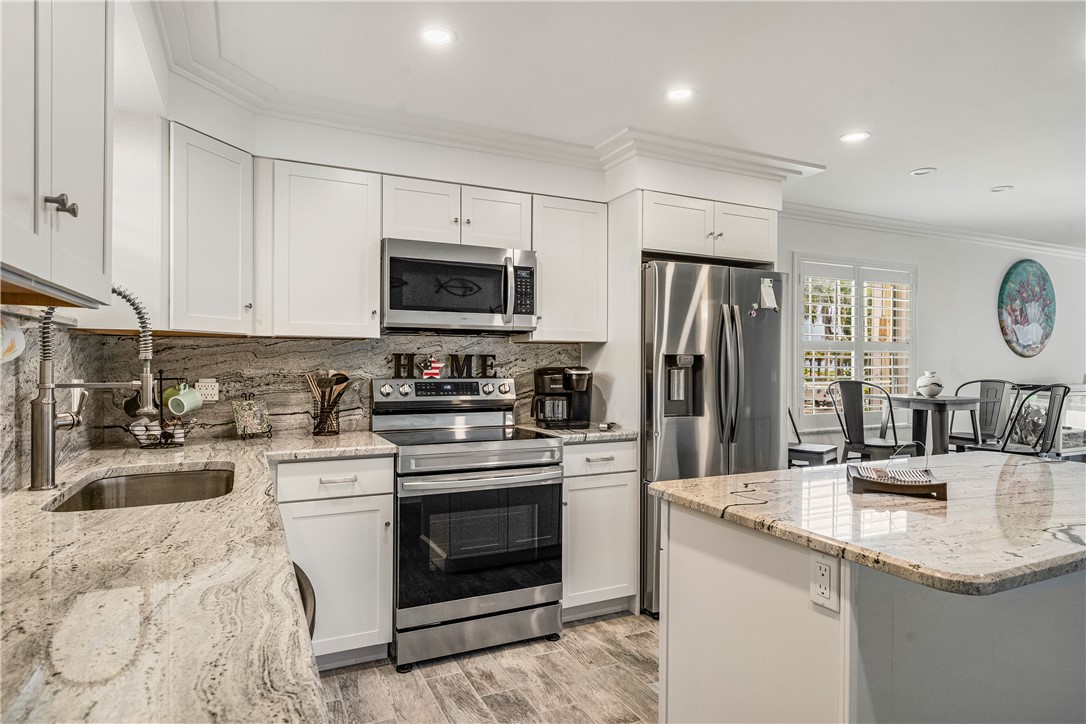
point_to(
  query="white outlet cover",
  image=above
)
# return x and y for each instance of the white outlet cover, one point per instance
(819, 563)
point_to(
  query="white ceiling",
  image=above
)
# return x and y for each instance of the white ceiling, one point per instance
(991, 93)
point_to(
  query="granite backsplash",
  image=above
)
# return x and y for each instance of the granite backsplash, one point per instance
(270, 368)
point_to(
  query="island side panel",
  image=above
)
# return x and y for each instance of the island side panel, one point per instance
(926, 655)
(742, 640)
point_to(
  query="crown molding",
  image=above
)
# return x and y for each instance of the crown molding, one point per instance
(837, 217)
(634, 142)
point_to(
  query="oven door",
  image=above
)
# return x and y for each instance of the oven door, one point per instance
(433, 286)
(470, 546)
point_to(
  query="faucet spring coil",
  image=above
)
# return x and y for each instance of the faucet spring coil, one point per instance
(47, 334)
(146, 345)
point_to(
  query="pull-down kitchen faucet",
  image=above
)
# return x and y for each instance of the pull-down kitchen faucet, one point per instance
(44, 420)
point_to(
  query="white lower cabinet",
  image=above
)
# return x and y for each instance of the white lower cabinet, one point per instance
(600, 529)
(345, 547)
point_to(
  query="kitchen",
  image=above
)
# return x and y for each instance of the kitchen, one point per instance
(269, 210)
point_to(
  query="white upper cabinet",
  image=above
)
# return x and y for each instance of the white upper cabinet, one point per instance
(327, 236)
(570, 241)
(421, 210)
(683, 225)
(57, 91)
(435, 211)
(745, 232)
(211, 234)
(677, 224)
(500, 219)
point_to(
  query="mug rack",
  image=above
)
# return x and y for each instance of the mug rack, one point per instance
(165, 437)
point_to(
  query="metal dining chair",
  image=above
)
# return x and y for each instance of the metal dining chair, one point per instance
(848, 397)
(808, 454)
(1046, 436)
(991, 418)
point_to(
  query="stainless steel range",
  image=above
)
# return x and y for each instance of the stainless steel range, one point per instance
(478, 518)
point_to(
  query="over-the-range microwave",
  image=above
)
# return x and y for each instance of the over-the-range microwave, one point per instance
(436, 287)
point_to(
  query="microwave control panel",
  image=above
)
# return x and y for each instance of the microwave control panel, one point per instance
(524, 290)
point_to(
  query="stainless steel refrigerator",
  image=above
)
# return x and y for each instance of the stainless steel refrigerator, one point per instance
(713, 398)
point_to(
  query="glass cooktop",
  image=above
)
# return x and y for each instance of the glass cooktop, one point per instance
(475, 434)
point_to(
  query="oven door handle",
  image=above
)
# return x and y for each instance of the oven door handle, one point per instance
(429, 484)
(510, 290)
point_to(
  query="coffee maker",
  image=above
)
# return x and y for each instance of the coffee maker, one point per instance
(563, 397)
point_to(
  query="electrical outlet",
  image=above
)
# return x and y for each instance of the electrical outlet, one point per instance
(208, 389)
(826, 581)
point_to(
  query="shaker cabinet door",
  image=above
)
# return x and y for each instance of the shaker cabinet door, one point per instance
(570, 241)
(345, 547)
(499, 219)
(421, 210)
(211, 234)
(82, 146)
(326, 251)
(677, 224)
(745, 232)
(602, 543)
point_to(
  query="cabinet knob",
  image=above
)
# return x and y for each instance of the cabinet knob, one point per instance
(539, 317)
(373, 312)
(62, 204)
(249, 305)
(720, 235)
(467, 222)
(387, 524)
(456, 219)
(565, 503)
(709, 235)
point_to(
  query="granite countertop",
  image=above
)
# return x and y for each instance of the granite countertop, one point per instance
(183, 612)
(573, 437)
(1008, 521)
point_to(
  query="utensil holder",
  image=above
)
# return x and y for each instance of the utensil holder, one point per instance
(325, 419)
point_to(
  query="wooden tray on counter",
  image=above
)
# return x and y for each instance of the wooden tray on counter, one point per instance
(869, 479)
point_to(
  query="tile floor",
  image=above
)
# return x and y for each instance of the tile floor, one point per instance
(603, 670)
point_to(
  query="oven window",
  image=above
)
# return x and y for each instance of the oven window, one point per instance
(418, 285)
(461, 545)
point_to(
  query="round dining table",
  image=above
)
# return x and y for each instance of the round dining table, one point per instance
(940, 408)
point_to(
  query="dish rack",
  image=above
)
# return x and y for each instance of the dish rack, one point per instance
(166, 434)
(900, 481)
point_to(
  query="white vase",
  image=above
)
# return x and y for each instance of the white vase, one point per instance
(930, 384)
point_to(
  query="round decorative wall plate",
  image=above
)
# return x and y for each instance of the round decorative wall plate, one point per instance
(1027, 308)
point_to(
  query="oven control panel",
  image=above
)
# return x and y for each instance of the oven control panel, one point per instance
(442, 392)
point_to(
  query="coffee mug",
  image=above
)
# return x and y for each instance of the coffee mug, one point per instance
(169, 393)
(185, 401)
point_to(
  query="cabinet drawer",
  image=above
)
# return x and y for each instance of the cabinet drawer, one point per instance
(334, 478)
(600, 457)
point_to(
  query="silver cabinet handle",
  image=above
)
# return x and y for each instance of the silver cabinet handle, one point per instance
(62, 204)
(709, 235)
(720, 235)
(604, 459)
(344, 479)
(249, 305)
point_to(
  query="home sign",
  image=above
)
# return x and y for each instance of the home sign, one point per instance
(456, 366)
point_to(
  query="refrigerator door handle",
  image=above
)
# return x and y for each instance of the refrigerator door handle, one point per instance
(740, 366)
(725, 373)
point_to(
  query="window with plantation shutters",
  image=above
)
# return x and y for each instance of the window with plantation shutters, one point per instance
(855, 322)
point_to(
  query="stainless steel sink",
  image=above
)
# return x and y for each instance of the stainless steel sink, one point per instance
(131, 491)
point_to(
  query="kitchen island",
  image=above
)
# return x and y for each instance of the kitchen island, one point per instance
(969, 609)
(163, 613)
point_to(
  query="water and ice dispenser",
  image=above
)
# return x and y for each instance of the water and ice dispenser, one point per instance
(683, 374)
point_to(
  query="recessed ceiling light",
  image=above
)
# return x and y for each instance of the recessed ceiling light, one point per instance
(923, 170)
(1000, 189)
(855, 136)
(680, 94)
(438, 36)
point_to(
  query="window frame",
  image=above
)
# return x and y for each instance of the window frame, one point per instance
(862, 270)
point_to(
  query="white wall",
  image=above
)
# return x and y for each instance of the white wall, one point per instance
(957, 284)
